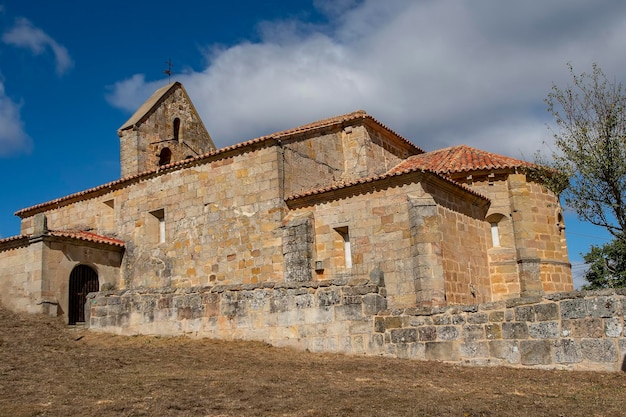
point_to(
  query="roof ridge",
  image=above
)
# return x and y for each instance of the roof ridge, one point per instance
(241, 145)
(461, 158)
(388, 174)
(148, 105)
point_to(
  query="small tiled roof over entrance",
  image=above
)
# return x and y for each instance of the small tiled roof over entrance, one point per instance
(460, 159)
(88, 237)
(67, 234)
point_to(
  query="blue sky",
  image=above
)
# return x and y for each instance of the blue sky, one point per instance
(440, 73)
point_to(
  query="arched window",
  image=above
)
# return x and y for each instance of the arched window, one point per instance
(560, 223)
(494, 222)
(165, 157)
(177, 129)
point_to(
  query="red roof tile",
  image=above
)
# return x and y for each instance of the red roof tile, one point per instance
(393, 173)
(458, 159)
(13, 238)
(88, 237)
(80, 235)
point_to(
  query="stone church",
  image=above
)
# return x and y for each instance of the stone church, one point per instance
(339, 202)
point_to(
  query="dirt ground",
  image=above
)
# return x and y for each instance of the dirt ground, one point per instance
(48, 369)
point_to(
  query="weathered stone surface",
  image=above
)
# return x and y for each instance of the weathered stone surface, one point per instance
(544, 330)
(442, 351)
(445, 319)
(344, 328)
(373, 304)
(599, 350)
(420, 321)
(349, 312)
(448, 332)
(613, 327)
(525, 313)
(493, 331)
(508, 350)
(472, 332)
(603, 306)
(496, 316)
(403, 335)
(477, 318)
(567, 351)
(514, 330)
(547, 311)
(474, 349)
(573, 309)
(427, 333)
(535, 352)
(587, 327)
(328, 297)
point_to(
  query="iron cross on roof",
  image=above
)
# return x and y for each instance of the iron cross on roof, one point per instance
(169, 71)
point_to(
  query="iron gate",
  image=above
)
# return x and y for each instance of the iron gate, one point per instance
(83, 280)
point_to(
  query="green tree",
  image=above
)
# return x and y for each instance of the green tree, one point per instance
(590, 149)
(607, 266)
(589, 156)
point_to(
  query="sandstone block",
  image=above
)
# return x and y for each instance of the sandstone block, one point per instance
(442, 351)
(587, 327)
(567, 351)
(573, 309)
(448, 332)
(603, 306)
(547, 312)
(599, 350)
(613, 327)
(403, 335)
(535, 352)
(475, 349)
(544, 330)
(473, 332)
(427, 333)
(514, 330)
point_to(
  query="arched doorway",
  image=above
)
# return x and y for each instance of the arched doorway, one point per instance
(83, 280)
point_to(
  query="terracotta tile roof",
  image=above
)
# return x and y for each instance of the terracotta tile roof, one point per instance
(12, 239)
(459, 159)
(217, 154)
(88, 237)
(80, 235)
(388, 175)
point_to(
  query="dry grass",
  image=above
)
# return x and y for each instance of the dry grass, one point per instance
(47, 369)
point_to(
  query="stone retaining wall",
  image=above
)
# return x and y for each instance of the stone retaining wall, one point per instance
(327, 316)
(577, 330)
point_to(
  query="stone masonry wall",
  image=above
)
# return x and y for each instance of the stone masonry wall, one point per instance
(20, 276)
(576, 331)
(325, 316)
(539, 237)
(222, 223)
(338, 156)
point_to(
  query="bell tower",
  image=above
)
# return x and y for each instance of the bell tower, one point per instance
(165, 129)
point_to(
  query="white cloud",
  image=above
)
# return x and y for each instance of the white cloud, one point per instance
(25, 35)
(129, 94)
(440, 73)
(13, 139)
